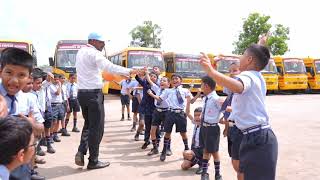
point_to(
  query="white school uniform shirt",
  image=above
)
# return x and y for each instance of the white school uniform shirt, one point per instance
(32, 106)
(125, 86)
(72, 90)
(90, 63)
(133, 84)
(64, 92)
(4, 172)
(212, 113)
(55, 98)
(157, 90)
(172, 99)
(249, 108)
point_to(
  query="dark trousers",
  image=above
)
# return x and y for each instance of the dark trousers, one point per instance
(147, 124)
(93, 113)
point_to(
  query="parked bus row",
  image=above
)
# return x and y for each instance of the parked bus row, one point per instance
(281, 74)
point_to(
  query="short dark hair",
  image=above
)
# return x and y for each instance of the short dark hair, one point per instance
(62, 76)
(37, 73)
(55, 75)
(15, 135)
(153, 73)
(18, 57)
(261, 54)
(72, 75)
(209, 81)
(198, 109)
(176, 75)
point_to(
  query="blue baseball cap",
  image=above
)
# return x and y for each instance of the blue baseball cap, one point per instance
(96, 36)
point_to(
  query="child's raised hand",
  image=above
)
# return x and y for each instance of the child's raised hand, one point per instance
(149, 91)
(205, 62)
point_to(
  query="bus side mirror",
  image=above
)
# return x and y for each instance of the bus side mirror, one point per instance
(280, 71)
(312, 72)
(51, 62)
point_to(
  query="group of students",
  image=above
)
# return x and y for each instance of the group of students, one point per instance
(43, 101)
(252, 145)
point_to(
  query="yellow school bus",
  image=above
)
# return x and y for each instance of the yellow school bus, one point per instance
(64, 59)
(313, 72)
(134, 57)
(292, 73)
(223, 63)
(270, 75)
(24, 45)
(187, 66)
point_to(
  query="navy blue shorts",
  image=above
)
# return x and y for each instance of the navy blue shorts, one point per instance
(125, 100)
(258, 155)
(47, 119)
(135, 105)
(57, 111)
(234, 140)
(199, 155)
(210, 138)
(158, 117)
(74, 105)
(178, 119)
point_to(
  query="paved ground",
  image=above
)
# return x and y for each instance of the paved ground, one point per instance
(294, 118)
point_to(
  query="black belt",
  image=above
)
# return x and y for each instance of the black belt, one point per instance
(162, 109)
(90, 90)
(54, 104)
(176, 110)
(204, 124)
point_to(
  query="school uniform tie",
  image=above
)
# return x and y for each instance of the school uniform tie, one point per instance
(12, 105)
(204, 110)
(179, 97)
(194, 137)
(71, 91)
(158, 102)
(226, 102)
(62, 93)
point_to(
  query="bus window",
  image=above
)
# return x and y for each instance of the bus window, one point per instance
(145, 58)
(317, 63)
(66, 58)
(294, 66)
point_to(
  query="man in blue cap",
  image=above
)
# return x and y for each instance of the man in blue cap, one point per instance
(89, 64)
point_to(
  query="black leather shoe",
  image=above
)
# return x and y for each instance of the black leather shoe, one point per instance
(65, 132)
(136, 137)
(75, 129)
(79, 159)
(199, 170)
(50, 148)
(205, 176)
(163, 156)
(169, 152)
(153, 152)
(98, 165)
(145, 145)
(218, 177)
(43, 142)
(56, 138)
(36, 176)
(40, 152)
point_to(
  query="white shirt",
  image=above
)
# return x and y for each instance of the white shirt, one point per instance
(157, 90)
(89, 64)
(248, 108)
(32, 106)
(64, 92)
(72, 90)
(171, 96)
(4, 172)
(212, 113)
(125, 86)
(55, 98)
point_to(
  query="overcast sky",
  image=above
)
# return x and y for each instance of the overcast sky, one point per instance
(188, 26)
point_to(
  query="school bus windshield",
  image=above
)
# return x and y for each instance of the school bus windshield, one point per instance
(188, 65)
(224, 64)
(270, 67)
(66, 58)
(294, 66)
(145, 59)
(317, 63)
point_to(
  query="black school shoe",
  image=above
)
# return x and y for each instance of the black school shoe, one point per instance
(79, 159)
(205, 176)
(163, 156)
(56, 138)
(36, 176)
(218, 177)
(199, 170)
(75, 129)
(97, 165)
(169, 152)
(50, 149)
(65, 132)
(145, 145)
(153, 152)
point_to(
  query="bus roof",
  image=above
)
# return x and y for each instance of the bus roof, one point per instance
(136, 49)
(73, 42)
(182, 55)
(17, 41)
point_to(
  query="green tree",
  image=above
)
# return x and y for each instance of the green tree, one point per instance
(147, 35)
(256, 25)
